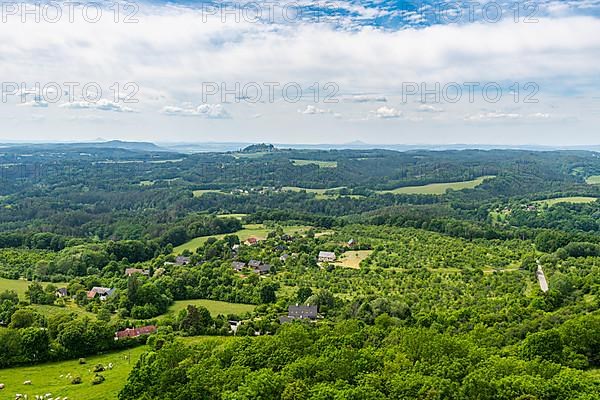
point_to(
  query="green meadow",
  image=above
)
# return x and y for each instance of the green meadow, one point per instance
(215, 307)
(20, 286)
(319, 163)
(438, 188)
(574, 199)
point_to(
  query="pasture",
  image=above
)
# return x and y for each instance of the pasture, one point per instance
(352, 258)
(438, 188)
(215, 307)
(319, 163)
(574, 199)
(258, 231)
(52, 377)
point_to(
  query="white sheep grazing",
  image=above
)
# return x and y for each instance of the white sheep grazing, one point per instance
(1, 386)
(27, 383)
(48, 395)
(110, 366)
(18, 396)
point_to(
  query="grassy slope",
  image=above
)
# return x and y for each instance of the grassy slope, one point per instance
(438, 188)
(46, 378)
(215, 307)
(259, 231)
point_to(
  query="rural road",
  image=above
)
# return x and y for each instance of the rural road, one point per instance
(541, 277)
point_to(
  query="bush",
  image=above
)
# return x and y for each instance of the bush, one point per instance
(76, 380)
(82, 361)
(99, 368)
(98, 379)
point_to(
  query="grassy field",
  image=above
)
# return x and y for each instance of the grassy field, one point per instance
(202, 192)
(215, 307)
(352, 258)
(71, 307)
(20, 286)
(321, 164)
(575, 199)
(438, 188)
(51, 377)
(593, 180)
(236, 216)
(258, 231)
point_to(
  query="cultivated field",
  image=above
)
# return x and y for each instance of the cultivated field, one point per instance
(319, 163)
(52, 377)
(438, 188)
(352, 258)
(258, 231)
(575, 199)
(215, 307)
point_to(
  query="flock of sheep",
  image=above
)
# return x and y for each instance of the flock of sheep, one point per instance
(47, 396)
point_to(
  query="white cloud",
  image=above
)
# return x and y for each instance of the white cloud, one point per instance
(312, 110)
(387, 113)
(102, 105)
(429, 108)
(209, 111)
(366, 98)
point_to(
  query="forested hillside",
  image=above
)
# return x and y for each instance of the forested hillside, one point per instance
(346, 274)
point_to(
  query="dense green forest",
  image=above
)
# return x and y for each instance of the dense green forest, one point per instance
(419, 293)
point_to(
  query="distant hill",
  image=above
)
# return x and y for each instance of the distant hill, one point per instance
(259, 148)
(112, 144)
(119, 144)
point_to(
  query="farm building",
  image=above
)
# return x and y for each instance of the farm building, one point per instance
(135, 332)
(251, 241)
(326, 256)
(181, 260)
(238, 265)
(131, 271)
(300, 312)
(102, 292)
(263, 269)
(61, 292)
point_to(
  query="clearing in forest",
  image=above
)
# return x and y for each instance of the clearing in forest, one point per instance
(438, 188)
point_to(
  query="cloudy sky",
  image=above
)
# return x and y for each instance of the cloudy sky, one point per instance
(303, 71)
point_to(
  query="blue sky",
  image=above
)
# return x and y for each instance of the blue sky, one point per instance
(215, 71)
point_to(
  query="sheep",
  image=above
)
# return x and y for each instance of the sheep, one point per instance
(27, 383)
(1, 386)
(18, 396)
(48, 395)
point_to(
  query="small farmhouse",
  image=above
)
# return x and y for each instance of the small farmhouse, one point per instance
(238, 265)
(300, 312)
(101, 292)
(131, 271)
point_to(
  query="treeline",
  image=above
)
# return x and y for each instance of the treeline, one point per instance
(350, 360)
(31, 337)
